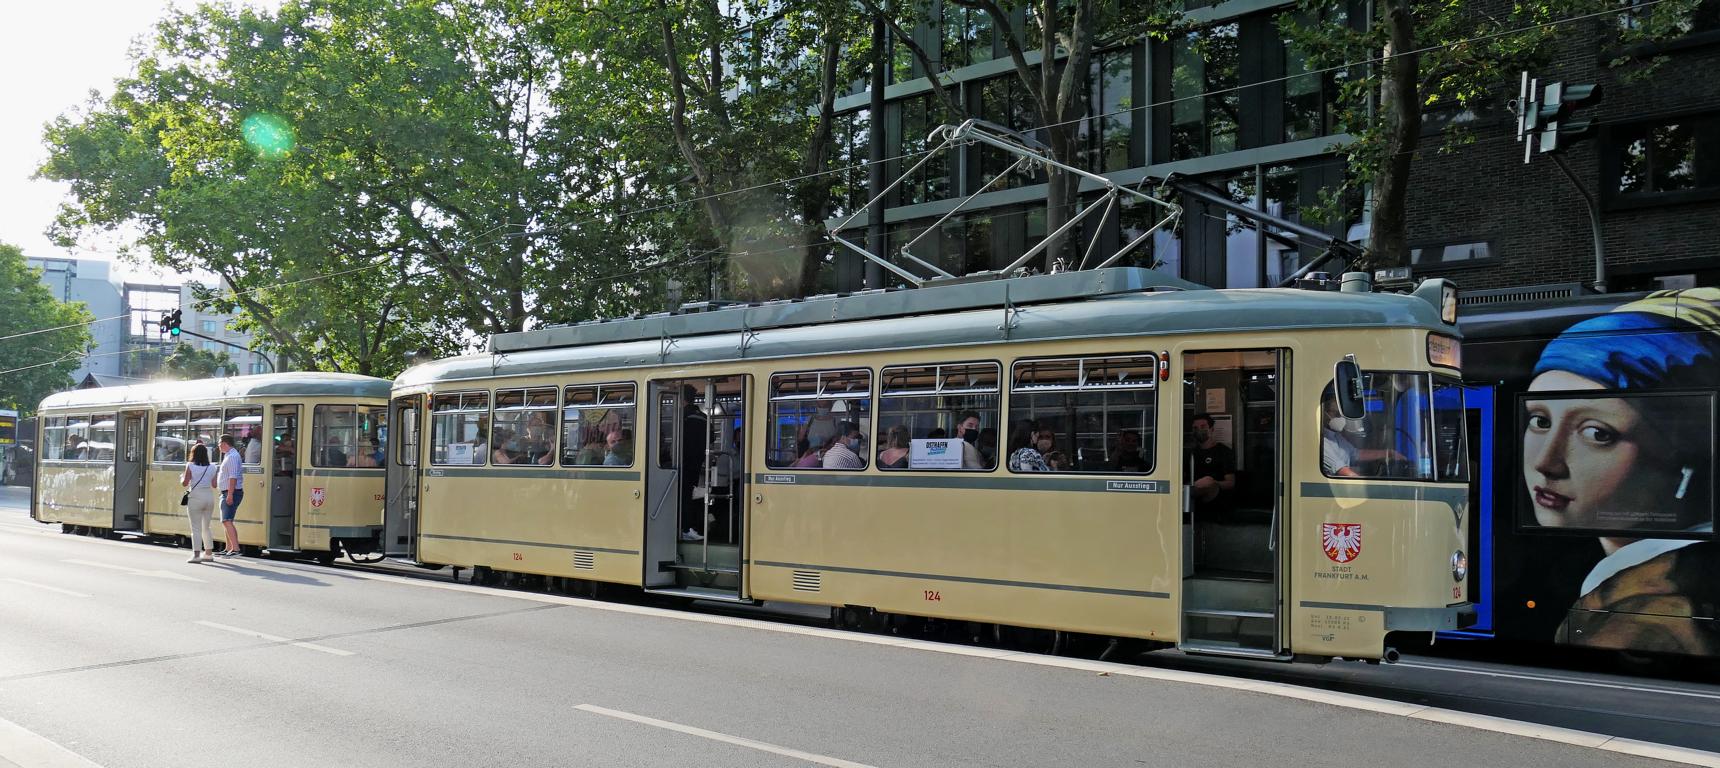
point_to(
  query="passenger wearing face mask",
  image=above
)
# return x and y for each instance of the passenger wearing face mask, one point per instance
(848, 450)
(968, 429)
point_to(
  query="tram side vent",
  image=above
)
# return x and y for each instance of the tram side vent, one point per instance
(584, 561)
(808, 581)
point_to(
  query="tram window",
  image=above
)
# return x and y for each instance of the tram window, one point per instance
(372, 435)
(54, 438)
(170, 432)
(1393, 438)
(820, 419)
(103, 433)
(459, 423)
(76, 442)
(206, 428)
(947, 413)
(245, 425)
(1615, 463)
(1450, 454)
(597, 423)
(334, 435)
(523, 429)
(1090, 414)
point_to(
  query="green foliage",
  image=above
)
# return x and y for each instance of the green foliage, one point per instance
(186, 361)
(1448, 57)
(40, 364)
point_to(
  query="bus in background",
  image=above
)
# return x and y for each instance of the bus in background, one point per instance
(1595, 496)
(8, 442)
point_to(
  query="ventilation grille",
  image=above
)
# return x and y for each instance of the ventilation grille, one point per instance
(584, 561)
(1526, 293)
(808, 581)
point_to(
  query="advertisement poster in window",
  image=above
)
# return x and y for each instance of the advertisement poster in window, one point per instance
(1614, 427)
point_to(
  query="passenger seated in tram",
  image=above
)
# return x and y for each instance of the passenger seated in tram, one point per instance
(253, 446)
(1129, 457)
(75, 450)
(1057, 461)
(506, 450)
(366, 456)
(846, 449)
(592, 453)
(896, 448)
(618, 448)
(1028, 446)
(968, 429)
(333, 456)
(813, 457)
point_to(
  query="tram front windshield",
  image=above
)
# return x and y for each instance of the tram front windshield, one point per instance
(1411, 429)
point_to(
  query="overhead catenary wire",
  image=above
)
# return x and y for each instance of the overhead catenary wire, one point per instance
(538, 232)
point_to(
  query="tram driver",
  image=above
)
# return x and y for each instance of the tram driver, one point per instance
(1339, 454)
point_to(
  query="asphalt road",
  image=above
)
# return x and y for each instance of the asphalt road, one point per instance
(128, 656)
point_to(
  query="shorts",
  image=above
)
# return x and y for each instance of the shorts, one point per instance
(230, 511)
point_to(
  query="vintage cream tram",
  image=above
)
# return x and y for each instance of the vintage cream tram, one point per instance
(1011, 452)
(311, 446)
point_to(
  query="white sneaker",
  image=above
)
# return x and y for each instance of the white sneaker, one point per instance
(691, 535)
(195, 559)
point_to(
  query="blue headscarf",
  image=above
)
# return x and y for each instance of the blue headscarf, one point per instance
(1669, 340)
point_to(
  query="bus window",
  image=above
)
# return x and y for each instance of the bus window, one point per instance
(523, 430)
(245, 424)
(597, 423)
(170, 432)
(1092, 414)
(1391, 441)
(949, 411)
(459, 424)
(820, 419)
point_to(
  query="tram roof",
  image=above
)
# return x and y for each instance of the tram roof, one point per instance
(292, 384)
(1136, 312)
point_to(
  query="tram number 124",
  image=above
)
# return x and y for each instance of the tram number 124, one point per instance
(933, 596)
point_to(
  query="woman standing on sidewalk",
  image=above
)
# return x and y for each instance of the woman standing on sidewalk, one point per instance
(199, 481)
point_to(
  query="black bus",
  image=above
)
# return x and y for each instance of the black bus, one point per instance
(1594, 424)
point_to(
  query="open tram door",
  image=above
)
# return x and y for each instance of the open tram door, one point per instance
(1233, 586)
(400, 511)
(128, 471)
(283, 479)
(695, 482)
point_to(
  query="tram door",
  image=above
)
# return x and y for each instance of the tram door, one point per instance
(129, 463)
(1233, 500)
(400, 515)
(695, 501)
(284, 479)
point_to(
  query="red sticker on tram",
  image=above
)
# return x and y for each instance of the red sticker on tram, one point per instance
(317, 496)
(1342, 541)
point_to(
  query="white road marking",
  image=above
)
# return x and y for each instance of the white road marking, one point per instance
(46, 587)
(275, 638)
(1351, 701)
(22, 747)
(136, 571)
(1557, 679)
(834, 762)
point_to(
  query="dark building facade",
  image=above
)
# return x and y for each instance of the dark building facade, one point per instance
(1234, 105)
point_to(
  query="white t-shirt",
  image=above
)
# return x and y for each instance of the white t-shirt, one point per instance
(230, 470)
(254, 451)
(1337, 452)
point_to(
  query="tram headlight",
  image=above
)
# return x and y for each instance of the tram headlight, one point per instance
(1459, 566)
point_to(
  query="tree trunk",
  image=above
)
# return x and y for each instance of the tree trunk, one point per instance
(1400, 108)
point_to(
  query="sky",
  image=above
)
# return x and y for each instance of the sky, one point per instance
(52, 55)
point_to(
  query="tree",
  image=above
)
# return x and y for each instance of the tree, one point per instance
(1421, 55)
(42, 340)
(1065, 33)
(367, 177)
(186, 361)
(727, 87)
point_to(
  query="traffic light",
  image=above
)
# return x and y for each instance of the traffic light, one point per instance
(170, 323)
(1545, 115)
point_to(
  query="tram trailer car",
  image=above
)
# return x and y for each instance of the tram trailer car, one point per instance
(1596, 496)
(857, 452)
(311, 444)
